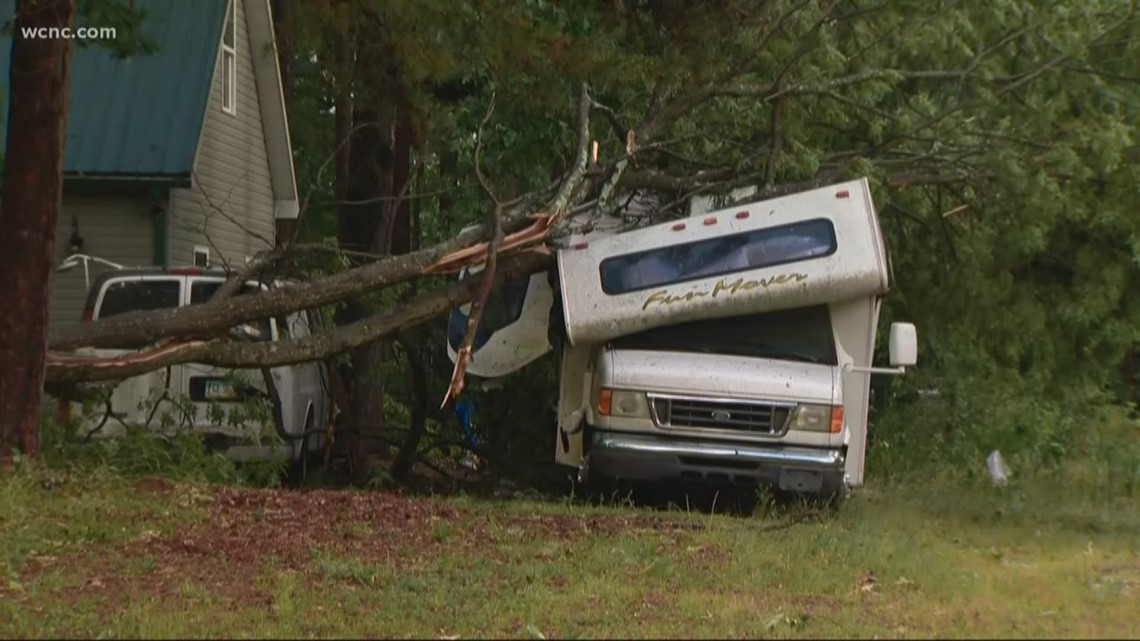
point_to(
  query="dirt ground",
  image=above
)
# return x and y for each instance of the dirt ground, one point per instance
(246, 528)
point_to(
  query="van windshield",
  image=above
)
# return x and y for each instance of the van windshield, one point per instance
(201, 291)
(802, 335)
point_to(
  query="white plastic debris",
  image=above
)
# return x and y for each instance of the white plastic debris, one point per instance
(999, 471)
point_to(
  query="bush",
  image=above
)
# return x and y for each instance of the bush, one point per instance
(1081, 443)
(141, 451)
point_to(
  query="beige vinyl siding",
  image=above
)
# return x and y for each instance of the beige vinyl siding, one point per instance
(118, 229)
(229, 207)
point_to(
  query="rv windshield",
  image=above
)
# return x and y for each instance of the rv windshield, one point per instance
(802, 335)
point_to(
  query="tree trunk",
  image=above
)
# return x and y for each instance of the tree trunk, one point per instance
(31, 195)
(396, 232)
(342, 122)
(360, 229)
(417, 370)
(285, 32)
(417, 365)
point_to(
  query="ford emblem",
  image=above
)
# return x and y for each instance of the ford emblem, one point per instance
(721, 415)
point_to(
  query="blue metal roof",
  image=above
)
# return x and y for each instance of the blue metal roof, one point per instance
(141, 116)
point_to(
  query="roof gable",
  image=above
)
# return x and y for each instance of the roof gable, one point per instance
(141, 116)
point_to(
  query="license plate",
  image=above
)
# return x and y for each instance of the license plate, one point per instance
(219, 390)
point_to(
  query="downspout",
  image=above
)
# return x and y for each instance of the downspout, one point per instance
(160, 197)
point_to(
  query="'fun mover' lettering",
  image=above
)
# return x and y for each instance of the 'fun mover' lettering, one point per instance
(723, 286)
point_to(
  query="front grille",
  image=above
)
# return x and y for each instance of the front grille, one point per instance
(745, 416)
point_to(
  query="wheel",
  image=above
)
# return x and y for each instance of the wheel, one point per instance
(299, 466)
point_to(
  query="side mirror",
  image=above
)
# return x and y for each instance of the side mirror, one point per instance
(252, 332)
(904, 345)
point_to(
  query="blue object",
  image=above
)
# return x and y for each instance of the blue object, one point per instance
(457, 327)
(464, 409)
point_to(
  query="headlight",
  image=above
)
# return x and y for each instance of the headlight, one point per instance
(817, 418)
(622, 403)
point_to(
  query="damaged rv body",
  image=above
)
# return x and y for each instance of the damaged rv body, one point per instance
(730, 346)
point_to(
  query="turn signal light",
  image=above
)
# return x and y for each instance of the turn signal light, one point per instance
(837, 419)
(605, 401)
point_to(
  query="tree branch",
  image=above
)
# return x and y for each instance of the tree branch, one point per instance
(235, 354)
(463, 354)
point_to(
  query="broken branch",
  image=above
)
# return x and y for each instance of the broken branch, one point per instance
(463, 354)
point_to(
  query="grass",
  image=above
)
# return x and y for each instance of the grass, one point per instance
(92, 555)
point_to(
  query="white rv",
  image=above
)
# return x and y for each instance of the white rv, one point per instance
(731, 346)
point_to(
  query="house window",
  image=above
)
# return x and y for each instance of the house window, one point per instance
(201, 256)
(229, 60)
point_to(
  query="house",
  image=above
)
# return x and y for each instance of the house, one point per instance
(176, 158)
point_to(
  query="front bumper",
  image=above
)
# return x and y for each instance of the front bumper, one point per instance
(638, 457)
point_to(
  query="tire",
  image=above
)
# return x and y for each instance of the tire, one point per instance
(299, 466)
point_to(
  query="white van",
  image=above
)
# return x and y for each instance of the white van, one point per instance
(203, 398)
(731, 346)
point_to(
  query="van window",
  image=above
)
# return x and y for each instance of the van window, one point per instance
(138, 294)
(718, 256)
(802, 335)
(201, 291)
(130, 295)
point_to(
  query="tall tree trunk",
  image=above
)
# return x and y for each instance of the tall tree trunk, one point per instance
(285, 32)
(409, 450)
(396, 231)
(370, 180)
(342, 126)
(375, 220)
(30, 196)
(415, 347)
(344, 397)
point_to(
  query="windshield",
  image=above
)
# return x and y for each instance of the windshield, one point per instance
(201, 291)
(802, 335)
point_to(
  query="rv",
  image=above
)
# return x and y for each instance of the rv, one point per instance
(730, 346)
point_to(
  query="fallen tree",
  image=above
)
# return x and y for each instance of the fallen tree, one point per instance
(231, 353)
(927, 144)
(197, 333)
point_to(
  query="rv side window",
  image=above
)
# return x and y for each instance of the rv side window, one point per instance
(504, 306)
(717, 256)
